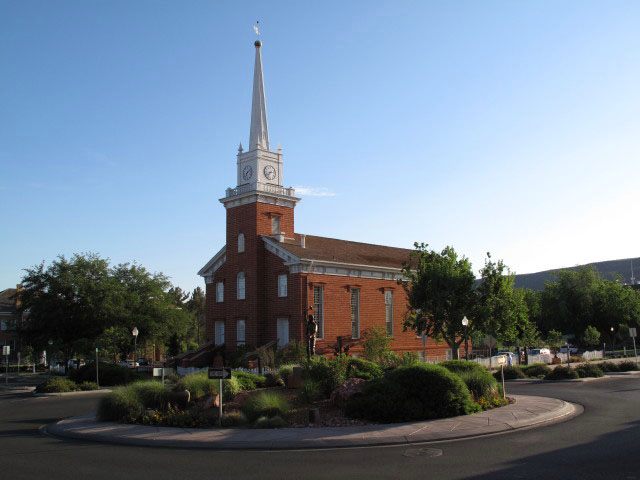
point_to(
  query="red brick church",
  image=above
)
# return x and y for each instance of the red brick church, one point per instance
(260, 285)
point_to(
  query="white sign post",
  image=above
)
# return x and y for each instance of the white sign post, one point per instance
(5, 351)
(219, 373)
(632, 334)
(502, 359)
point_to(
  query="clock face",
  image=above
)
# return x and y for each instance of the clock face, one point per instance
(269, 172)
(247, 172)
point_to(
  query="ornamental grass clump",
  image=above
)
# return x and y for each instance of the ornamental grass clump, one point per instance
(198, 384)
(270, 422)
(121, 405)
(310, 391)
(482, 385)
(589, 370)
(460, 366)
(418, 392)
(265, 404)
(151, 393)
(328, 373)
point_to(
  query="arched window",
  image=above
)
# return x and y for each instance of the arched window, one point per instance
(241, 292)
(241, 243)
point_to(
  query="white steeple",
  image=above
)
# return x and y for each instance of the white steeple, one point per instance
(259, 170)
(259, 135)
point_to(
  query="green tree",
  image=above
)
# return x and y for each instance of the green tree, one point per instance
(555, 340)
(70, 302)
(196, 307)
(501, 311)
(591, 336)
(440, 292)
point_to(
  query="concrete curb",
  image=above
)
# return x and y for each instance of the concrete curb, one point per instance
(527, 411)
(66, 394)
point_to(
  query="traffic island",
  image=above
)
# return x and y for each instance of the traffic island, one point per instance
(526, 411)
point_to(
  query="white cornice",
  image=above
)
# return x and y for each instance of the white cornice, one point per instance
(214, 264)
(255, 196)
(322, 267)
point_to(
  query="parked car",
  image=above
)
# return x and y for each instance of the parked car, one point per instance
(539, 351)
(129, 364)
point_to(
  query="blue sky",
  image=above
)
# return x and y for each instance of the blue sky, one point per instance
(501, 126)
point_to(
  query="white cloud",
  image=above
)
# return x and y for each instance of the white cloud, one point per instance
(314, 191)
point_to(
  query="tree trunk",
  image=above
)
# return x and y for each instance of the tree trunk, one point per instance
(455, 347)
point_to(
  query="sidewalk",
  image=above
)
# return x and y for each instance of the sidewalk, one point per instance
(525, 412)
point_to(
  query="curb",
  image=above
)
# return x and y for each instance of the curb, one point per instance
(66, 394)
(526, 412)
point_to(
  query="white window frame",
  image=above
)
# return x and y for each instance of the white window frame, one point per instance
(355, 312)
(241, 243)
(275, 224)
(318, 308)
(241, 331)
(219, 292)
(388, 311)
(219, 332)
(281, 342)
(241, 286)
(282, 285)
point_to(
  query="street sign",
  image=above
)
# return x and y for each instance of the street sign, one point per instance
(219, 373)
(502, 359)
(6, 350)
(158, 372)
(632, 332)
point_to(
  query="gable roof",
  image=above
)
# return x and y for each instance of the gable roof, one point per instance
(325, 249)
(8, 300)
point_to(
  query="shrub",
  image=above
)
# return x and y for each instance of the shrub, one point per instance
(627, 366)
(234, 418)
(230, 388)
(328, 373)
(285, 370)
(589, 370)
(294, 352)
(270, 422)
(57, 385)
(110, 374)
(535, 370)
(561, 373)
(460, 366)
(88, 386)
(238, 358)
(273, 380)
(510, 373)
(265, 404)
(121, 405)
(359, 368)
(198, 384)
(418, 392)
(375, 343)
(249, 381)
(310, 391)
(152, 394)
(609, 367)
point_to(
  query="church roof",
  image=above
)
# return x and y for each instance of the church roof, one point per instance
(8, 300)
(344, 251)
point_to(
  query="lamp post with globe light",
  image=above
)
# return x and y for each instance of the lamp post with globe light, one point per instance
(135, 332)
(465, 322)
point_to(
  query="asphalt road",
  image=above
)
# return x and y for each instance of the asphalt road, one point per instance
(604, 442)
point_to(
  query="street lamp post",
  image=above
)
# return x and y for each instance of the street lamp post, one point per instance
(613, 342)
(465, 322)
(134, 332)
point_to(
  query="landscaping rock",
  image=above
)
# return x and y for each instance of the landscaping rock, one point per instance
(348, 389)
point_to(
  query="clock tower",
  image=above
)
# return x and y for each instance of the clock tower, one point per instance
(259, 204)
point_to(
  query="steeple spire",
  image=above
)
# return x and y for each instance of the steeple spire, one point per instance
(259, 136)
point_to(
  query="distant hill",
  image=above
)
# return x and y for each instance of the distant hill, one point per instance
(609, 270)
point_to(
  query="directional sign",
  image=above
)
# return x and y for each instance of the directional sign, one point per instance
(632, 332)
(502, 359)
(6, 350)
(158, 371)
(219, 373)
